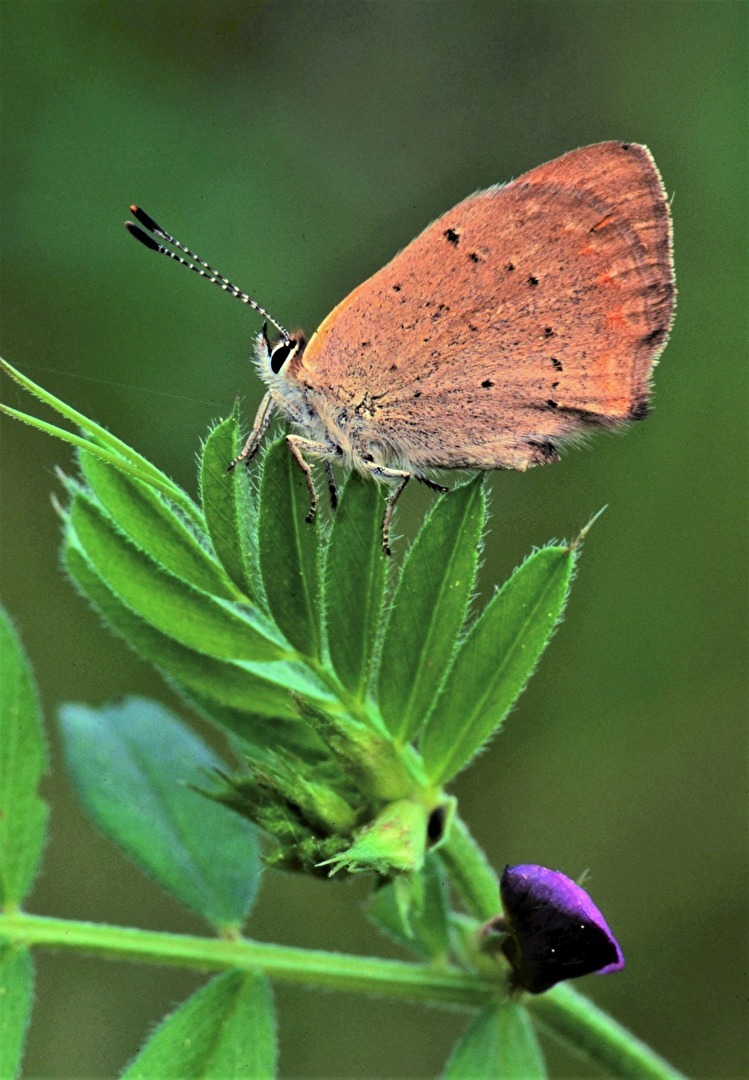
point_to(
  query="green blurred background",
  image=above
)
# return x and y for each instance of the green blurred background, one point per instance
(299, 146)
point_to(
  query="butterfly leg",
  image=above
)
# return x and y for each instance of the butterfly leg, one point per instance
(395, 494)
(431, 484)
(332, 489)
(382, 472)
(259, 428)
(297, 444)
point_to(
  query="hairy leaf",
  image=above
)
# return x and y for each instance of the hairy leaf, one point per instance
(225, 1031)
(495, 661)
(238, 685)
(155, 526)
(194, 618)
(290, 551)
(23, 815)
(133, 765)
(500, 1044)
(16, 992)
(227, 506)
(355, 583)
(429, 607)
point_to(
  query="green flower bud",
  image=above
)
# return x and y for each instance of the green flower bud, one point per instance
(395, 842)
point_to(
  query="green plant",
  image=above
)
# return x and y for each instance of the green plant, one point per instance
(351, 691)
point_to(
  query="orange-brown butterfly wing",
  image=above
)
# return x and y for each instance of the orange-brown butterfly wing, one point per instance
(526, 315)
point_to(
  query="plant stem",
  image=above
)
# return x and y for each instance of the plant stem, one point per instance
(583, 1027)
(590, 1033)
(359, 974)
(474, 879)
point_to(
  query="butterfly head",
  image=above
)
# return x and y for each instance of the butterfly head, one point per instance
(274, 358)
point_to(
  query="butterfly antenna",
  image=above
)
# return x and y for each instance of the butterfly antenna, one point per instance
(192, 262)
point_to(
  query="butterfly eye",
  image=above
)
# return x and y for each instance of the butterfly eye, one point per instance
(280, 354)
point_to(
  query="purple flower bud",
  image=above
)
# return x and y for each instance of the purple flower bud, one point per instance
(554, 929)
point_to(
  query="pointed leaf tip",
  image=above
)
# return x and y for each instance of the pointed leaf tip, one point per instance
(500, 1044)
(577, 542)
(226, 1029)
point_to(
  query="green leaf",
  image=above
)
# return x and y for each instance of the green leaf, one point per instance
(495, 661)
(227, 506)
(429, 608)
(100, 442)
(420, 921)
(355, 582)
(500, 1044)
(154, 526)
(262, 737)
(225, 1031)
(236, 685)
(16, 990)
(23, 815)
(188, 615)
(289, 550)
(132, 765)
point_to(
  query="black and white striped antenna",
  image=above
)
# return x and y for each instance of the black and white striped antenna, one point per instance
(201, 268)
